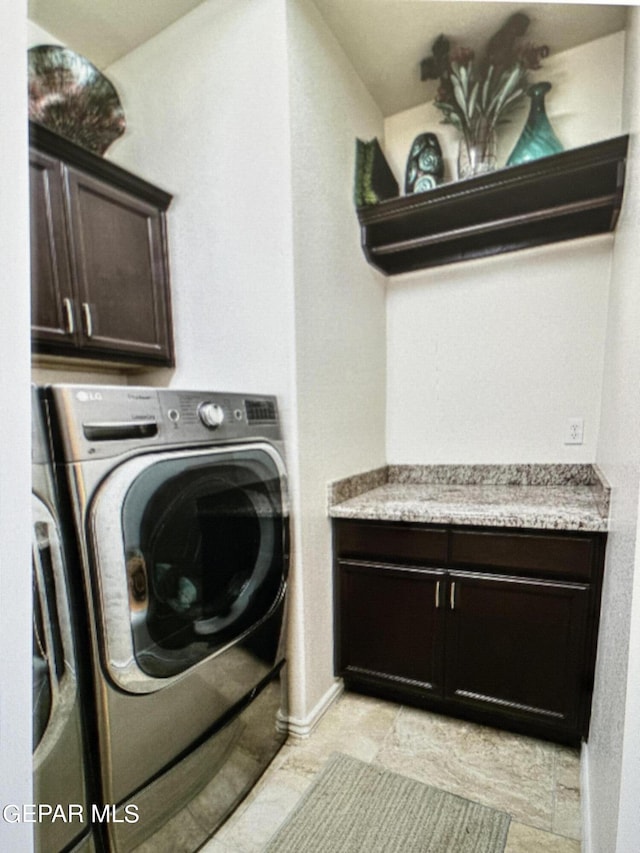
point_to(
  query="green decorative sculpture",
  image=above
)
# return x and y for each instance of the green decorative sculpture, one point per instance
(537, 138)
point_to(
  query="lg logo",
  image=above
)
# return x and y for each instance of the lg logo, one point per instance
(88, 396)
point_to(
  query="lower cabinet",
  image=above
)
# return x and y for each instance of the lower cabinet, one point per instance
(509, 642)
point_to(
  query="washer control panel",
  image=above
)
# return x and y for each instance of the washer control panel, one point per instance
(211, 414)
(103, 421)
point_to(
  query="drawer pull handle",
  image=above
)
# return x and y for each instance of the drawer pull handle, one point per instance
(68, 314)
(437, 595)
(88, 321)
(452, 596)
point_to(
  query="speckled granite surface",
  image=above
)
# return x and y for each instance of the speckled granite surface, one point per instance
(555, 497)
(351, 487)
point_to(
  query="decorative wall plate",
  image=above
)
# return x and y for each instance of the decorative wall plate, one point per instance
(70, 96)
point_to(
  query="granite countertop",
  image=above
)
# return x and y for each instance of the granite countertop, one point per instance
(553, 497)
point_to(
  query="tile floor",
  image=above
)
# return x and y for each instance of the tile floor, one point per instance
(536, 782)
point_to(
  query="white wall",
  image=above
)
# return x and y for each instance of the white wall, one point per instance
(340, 327)
(487, 360)
(613, 778)
(207, 119)
(15, 475)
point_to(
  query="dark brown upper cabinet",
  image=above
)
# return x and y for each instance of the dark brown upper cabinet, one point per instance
(99, 264)
(577, 193)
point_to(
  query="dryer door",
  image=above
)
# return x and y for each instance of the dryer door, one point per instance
(189, 558)
(58, 752)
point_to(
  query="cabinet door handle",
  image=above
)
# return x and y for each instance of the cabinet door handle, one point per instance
(437, 595)
(68, 316)
(88, 321)
(452, 596)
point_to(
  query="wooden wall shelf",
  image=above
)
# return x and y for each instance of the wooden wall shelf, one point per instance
(577, 193)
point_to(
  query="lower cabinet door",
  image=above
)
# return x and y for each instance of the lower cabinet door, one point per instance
(516, 646)
(391, 625)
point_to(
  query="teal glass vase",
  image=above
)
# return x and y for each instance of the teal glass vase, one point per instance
(537, 138)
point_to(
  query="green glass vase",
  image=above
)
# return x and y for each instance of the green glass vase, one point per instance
(537, 138)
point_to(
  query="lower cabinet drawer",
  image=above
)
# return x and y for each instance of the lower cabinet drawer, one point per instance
(392, 542)
(563, 556)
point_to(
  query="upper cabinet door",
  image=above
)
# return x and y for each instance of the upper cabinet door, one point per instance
(53, 316)
(119, 264)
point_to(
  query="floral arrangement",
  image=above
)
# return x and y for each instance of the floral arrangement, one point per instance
(476, 95)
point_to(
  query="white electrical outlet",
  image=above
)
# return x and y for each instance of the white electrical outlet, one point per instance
(575, 431)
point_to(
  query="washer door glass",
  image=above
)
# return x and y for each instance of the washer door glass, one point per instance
(204, 550)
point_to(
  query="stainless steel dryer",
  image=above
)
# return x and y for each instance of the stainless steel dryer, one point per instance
(180, 508)
(60, 777)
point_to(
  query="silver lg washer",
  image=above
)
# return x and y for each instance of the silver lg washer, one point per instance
(179, 502)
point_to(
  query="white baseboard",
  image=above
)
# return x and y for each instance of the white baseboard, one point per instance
(585, 799)
(302, 727)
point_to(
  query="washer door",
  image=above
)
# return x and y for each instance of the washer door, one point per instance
(188, 556)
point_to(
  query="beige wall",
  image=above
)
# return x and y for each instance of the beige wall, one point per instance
(612, 773)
